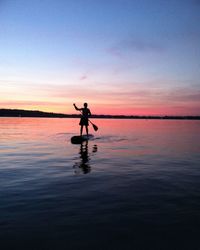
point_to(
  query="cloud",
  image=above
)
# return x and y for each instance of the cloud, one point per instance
(121, 97)
(184, 95)
(83, 77)
(16, 103)
(134, 45)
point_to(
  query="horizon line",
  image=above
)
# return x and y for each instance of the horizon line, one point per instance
(98, 115)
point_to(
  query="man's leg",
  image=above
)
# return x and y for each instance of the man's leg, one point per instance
(81, 129)
(86, 127)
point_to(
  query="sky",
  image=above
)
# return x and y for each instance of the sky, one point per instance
(130, 57)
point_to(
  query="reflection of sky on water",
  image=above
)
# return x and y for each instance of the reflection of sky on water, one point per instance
(142, 177)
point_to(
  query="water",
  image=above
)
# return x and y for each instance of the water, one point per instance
(136, 185)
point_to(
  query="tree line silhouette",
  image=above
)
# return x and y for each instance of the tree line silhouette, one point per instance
(37, 113)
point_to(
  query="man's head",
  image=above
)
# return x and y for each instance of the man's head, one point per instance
(85, 104)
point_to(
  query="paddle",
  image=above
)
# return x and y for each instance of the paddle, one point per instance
(94, 126)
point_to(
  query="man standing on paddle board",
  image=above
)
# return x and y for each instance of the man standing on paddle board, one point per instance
(84, 117)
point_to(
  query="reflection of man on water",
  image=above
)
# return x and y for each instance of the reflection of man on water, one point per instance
(84, 164)
(84, 156)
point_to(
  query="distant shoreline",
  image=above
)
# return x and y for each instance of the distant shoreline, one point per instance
(36, 113)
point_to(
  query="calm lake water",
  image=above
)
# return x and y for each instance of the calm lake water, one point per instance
(135, 185)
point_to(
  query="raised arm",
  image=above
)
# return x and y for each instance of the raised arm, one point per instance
(76, 107)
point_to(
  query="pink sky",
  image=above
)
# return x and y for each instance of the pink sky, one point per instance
(131, 100)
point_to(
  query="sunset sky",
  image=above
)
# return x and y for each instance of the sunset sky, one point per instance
(132, 57)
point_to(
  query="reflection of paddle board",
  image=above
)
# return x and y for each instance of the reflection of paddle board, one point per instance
(77, 139)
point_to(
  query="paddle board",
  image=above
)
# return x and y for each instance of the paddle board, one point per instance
(77, 139)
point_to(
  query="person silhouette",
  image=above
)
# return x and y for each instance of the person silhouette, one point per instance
(84, 117)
